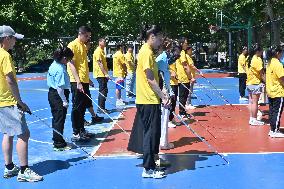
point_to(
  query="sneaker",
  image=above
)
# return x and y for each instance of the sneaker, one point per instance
(186, 116)
(29, 176)
(79, 138)
(168, 146)
(96, 119)
(153, 174)
(86, 123)
(189, 107)
(243, 98)
(171, 125)
(86, 134)
(60, 149)
(10, 173)
(176, 123)
(120, 103)
(276, 134)
(162, 163)
(256, 123)
(259, 115)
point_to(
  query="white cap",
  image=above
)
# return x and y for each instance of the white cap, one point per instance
(8, 31)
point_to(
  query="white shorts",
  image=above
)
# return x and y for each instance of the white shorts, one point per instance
(12, 121)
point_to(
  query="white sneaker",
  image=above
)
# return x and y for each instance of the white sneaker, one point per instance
(171, 125)
(10, 173)
(120, 103)
(256, 123)
(276, 134)
(259, 115)
(153, 174)
(243, 98)
(189, 107)
(29, 176)
(168, 146)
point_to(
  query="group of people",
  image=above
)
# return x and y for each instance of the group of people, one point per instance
(262, 72)
(165, 75)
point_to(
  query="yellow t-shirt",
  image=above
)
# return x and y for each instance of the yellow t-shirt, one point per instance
(191, 64)
(80, 61)
(99, 54)
(172, 68)
(118, 61)
(130, 66)
(181, 74)
(144, 92)
(254, 74)
(242, 64)
(274, 72)
(6, 66)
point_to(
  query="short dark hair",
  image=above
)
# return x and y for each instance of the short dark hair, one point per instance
(273, 51)
(118, 46)
(84, 29)
(148, 30)
(62, 52)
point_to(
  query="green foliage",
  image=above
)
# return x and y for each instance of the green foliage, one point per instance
(51, 19)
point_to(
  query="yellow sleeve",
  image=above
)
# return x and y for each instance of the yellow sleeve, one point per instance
(122, 59)
(242, 61)
(258, 66)
(73, 49)
(147, 62)
(279, 70)
(183, 57)
(189, 61)
(97, 56)
(8, 65)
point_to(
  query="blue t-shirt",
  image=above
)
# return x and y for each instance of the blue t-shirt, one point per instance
(163, 66)
(57, 76)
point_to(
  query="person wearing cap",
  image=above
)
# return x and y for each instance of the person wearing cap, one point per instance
(12, 108)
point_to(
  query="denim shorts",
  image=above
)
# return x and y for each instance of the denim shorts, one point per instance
(255, 89)
(12, 121)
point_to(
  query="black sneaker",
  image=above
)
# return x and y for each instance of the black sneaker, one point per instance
(103, 111)
(87, 134)
(86, 123)
(80, 138)
(176, 123)
(96, 119)
(186, 116)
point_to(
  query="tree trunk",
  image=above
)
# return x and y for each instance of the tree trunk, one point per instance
(275, 25)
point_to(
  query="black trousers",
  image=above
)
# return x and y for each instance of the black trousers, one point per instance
(146, 133)
(174, 101)
(242, 84)
(102, 89)
(80, 103)
(183, 95)
(59, 115)
(275, 111)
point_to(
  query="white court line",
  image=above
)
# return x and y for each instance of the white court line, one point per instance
(96, 148)
(40, 110)
(38, 141)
